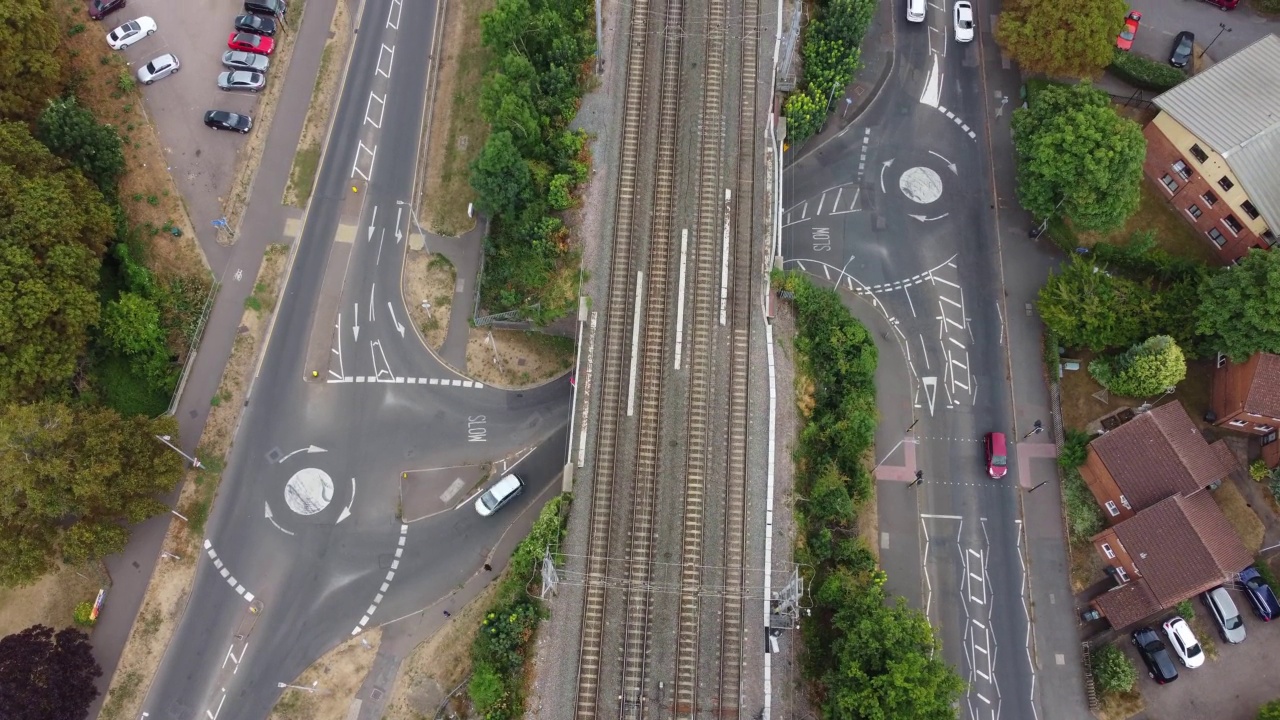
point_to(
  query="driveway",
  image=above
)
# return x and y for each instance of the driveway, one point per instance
(1230, 687)
(202, 161)
(1162, 19)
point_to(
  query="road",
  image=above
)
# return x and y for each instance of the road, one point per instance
(305, 546)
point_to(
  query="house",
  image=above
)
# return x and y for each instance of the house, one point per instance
(1152, 457)
(1214, 146)
(1245, 397)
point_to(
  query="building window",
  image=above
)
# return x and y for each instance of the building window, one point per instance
(1239, 423)
(1198, 154)
(1233, 224)
(1108, 551)
(1194, 211)
(1124, 576)
(1249, 210)
(1169, 183)
(1111, 508)
(1263, 428)
(1222, 360)
(1225, 183)
(1269, 238)
(1182, 169)
(1125, 502)
(1218, 238)
(1268, 438)
(1209, 198)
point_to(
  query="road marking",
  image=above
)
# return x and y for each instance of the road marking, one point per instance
(445, 382)
(240, 590)
(389, 51)
(382, 108)
(396, 7)
(391, 574)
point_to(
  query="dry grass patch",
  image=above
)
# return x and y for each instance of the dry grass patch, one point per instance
(336, 678)
(50, 600)
(1240, 515)
(456, 130)
(429, 282)
(306, 161)
(1119, 706)
(1080, 407)
(517, 358)
(1086, 566)
(1171, 232)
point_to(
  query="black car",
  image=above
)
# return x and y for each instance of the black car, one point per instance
(1159, 665)
(99, 9)
(223, 120)
(256, 24)
(1261, 595)
(1183, 46)
(275, 8)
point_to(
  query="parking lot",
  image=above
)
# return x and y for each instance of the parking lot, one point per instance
(1163, 19)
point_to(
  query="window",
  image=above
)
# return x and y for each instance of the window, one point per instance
(1249, 210)
(1182, 169)
(1225, 183)
(1194, 211)
(1218, 238)
(1209, 198)
(1239, 423)
(1222, 360)
(1268, 438)
(1198, 154)
(1269, 238)
(1263, 428)
(1124, 576)
(1125, 502)
(1109, 552)
(1233, 224)
(1169, 183)
(1111, 508)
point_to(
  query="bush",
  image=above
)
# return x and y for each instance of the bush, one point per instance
(1112, 671)
(1185, 610)
(831, 55)
(1084, 519)
(1075, 450)
(83, 614)
(1143, 73)
(1145, 369)
(1259, 471)
(1270, 711)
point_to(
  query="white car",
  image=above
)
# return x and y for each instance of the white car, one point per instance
(241, 60)
(964, 21)
(130, 33)
(500, 494)
(1184, 643)
(161, 67)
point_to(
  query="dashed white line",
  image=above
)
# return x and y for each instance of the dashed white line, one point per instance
(391, 574)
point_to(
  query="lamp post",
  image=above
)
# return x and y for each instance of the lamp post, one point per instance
(303, 688)
(1222, 27)
(165, 439)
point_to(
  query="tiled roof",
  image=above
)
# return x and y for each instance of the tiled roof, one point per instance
(1127, 604)
(1157, 454)
(1264, 390)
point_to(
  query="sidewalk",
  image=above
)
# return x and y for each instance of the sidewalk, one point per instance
(465, 252)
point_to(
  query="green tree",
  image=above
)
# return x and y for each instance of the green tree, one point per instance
(73, 134)
(72, 478)
(1270, 711)
(1087, 307)
(1240, 307)
(1060, 38)
(29, 67)
(131, 323)
(829, 501)
(53, 232)
(501, 177)
(1077, 156)
(1143, 370)
(1112, 671)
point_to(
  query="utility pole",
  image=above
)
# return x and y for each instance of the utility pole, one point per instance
(165, 439)
(919, 479)
(1035, 430)
(1222, 27)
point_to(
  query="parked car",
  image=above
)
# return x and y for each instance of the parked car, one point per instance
(1183, 46)
(223, 120)
(964, 21)
(275, 8)
(161, 67)
(248, 42)
(241, 60)
(241, 80)
(1224, 4)
(130, 33)
(1261, 595)
(256, 24)
(99, 9)
(1224, 612)
(1184, 642)
(997, 456)
(501, 493)
(1159, 665)
(1124, 41)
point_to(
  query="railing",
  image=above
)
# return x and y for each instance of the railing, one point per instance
(1090, 691)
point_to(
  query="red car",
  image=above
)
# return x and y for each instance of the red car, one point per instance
(1124, 40)
(993, 445)
(251, 43)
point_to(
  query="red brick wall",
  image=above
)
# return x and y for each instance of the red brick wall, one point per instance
(1161, 154)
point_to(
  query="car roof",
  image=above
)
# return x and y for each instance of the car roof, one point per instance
(1179, 627)
(1223, 598)
(507, 485)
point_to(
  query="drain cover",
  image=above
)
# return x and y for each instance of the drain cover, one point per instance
(274, 455)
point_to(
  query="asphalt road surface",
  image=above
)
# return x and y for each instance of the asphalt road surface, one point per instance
(898, 210)
(305, 546)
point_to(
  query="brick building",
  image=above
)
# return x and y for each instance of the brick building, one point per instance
(1245, 397)
(1213, 150)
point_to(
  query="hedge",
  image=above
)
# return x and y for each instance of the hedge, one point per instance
(831, 56)
(1143, 73)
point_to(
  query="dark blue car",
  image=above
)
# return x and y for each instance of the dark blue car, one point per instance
(1261, 595)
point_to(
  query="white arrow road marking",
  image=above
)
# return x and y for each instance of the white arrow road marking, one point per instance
(398, 235)
(356, 327)
(884, 166)
(950, 165)
(308, 450)
(371, 289)
(932, 93)
(922, 218)
(372, 220)
(930, 390)
(273, 520)
(346, 511)
(399, 327)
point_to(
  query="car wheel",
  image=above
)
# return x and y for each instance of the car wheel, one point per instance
(1151, 675)
(224, 89)
(244, 132)
(254, 89)
(148, 82)
(151, 32)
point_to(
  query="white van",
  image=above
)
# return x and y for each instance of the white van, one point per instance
(915, 10)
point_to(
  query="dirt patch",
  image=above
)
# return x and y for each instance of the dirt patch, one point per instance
(1118, 706)
(1240, 515)
(167, 593)
(333, 681)
(516, 358)
(456, 130)
(429, 282)
(50, 600)
(1081, 409)
(439, 665)
(1086, 566)
(306, 161)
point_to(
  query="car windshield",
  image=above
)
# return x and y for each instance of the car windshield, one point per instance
(1232, 622)
(999, 460)
(965, 23)
(489, 499)
(1193, 651)
(155, 66)
(1127, 34)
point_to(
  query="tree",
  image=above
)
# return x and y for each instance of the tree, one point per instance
(47, 676)
(53, 231)
(1143, 370)
(1060, 38)
(1270, 711)
(1112, 671)
(73, 134)
(1240, 306)
(1077, 156)
(1085, 306)
(132, 325)
(501, 177)
(29, 66)
(72, 477)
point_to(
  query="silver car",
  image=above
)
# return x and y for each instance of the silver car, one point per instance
(241, 80)
(1224, 611)
(161, 67)
(491, 500)
(241, 60)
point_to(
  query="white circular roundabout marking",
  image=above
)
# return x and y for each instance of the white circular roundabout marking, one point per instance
(309, 491)
(921, 184)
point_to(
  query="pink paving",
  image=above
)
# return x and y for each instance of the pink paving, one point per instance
(901, 473)
(1028, 450)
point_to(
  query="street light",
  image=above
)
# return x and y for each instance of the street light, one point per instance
(1222, 27)
(165, 439)
(303, 688)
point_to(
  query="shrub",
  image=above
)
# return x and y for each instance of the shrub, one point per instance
(1084, 519)
(1145, 369)
(1270, 711)
(1259, 471)
(1112, 671)
(1143, 73)
(1074, 450)
(831, 56)
(83, 614)
(1185, 610)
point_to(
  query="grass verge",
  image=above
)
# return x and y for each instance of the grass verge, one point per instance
(429, 282)
(50, 600)
(517, 358)
(1171, 233)
(306, 161)
(336, 678)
